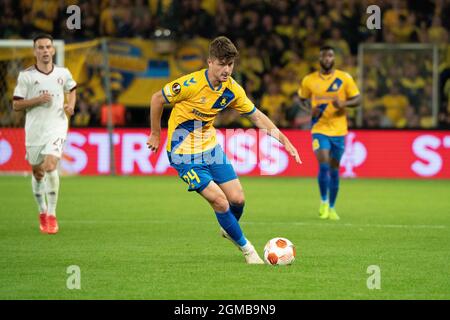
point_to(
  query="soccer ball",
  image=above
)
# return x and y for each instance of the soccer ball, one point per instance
(279, 251)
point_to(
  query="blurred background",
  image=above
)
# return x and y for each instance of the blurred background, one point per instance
(150, 42)
(153, 41)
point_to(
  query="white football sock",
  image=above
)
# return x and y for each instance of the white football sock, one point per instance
(38, 188)
(52, 185)
(247, 247)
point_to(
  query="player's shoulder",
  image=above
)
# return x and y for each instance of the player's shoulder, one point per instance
(192, 79)
(233, 84)
(184, 85)
(60, 69)
(29, 69)
(311, 76)
(343, 74)
(27, 73)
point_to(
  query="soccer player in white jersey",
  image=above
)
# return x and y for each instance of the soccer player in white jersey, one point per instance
(40, 93)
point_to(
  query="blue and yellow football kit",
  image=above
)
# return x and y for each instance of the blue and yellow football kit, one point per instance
(330, 126)
(191, 146)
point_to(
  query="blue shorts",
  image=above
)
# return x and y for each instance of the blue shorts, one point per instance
(336, 145)
(198, 170)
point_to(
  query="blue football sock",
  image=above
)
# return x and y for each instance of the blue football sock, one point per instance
(228, 221)
(334, 186)
(324, 179)
(236, 210)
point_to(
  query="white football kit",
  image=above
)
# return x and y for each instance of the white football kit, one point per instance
(46, 125)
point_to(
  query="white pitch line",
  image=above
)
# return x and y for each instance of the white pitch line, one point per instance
(353, 225)
(324, 224)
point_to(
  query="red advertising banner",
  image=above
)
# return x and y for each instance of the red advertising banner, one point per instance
(390, 154)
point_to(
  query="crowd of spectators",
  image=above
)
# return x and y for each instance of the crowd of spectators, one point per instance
(278, 41)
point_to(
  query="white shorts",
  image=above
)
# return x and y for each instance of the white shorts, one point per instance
(36, 154)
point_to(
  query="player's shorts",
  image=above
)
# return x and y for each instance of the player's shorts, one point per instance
(200, 169)
(35, 154)
(336, 145)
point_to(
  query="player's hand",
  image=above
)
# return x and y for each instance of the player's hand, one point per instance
(69, 110)
(153, 142)
(339, 104)
(44, 98)
(292, 151)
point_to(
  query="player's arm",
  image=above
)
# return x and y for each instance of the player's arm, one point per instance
(71, 97)
(245, 107)
(20, 104)
(156, 110)
(170, 94)
(350, 103)
(260, 120)
(70, 87)
(305, 104)
(305, 93)
(352, 91)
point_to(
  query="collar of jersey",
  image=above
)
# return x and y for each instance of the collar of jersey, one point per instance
(46, 73)
(328, 77)
(210, 85)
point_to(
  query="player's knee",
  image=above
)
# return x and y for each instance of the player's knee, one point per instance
(334, 164)
(238, 201)
(220, 203)
(38, 173)
(50, 165)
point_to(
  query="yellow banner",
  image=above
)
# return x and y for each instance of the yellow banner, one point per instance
(138, 67)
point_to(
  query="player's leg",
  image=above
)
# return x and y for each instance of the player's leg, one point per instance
(50, 166)
(52, 153)
(219, 202)
(334, 188)
(337, 150)
(224, 175)
(235, 194)
(199, 178)
(38, 187)
(35, 159)
(224, 180)
(321, 147)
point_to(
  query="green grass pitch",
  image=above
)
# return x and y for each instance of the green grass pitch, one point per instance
(148, 238)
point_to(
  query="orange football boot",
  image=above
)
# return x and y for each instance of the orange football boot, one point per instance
(52, 225)
(43, 222)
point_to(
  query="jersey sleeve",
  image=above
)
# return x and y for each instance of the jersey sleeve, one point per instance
(21, 89)
(242, 103)
(70, 83)
(304, 92)
(179, 89)
(351, 89)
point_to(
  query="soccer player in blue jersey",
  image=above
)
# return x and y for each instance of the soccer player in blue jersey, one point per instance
(192, 148)
(328, 93)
